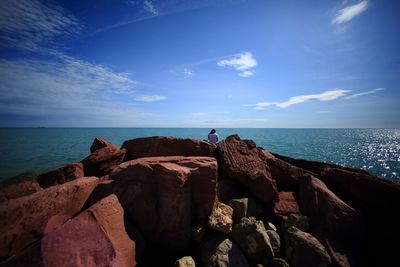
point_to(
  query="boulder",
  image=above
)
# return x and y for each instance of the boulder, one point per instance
(270, 226)
(99, 143)
(275, 240)
(244, 162)
(157, 146)
(21, 219)
(217, 250)
(302, 249)
(253, 239)
(102, 161)
(172, 192)
(297, 220)
(243, 207)
(19, 186)
(287, 204)
(185, 262)
(278, 262)
(62, 175)
(221, 218)
(227, 190)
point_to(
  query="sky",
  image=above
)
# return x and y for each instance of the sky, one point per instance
(200, 63)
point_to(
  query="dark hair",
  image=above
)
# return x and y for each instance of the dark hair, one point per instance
(213, 131)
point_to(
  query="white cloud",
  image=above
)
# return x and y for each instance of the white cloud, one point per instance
(374, 91)
(199, 113)
(294, 100)
(150, 7)
(150, 98)
(242, 62)
(348, 13)
(187, 72)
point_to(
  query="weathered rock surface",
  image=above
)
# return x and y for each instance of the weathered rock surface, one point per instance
(303, 250)
(158, 146)
(297, 220)
(62, 175)
(243, 207)
(275, 240)
(102, 161)
(19, 186)
(169, 190)
(99, 143)
(185, 262)
(278, 262)
(21, 220)
(287, 204)
(221, 218)
(220, 251)
(243, 161)
(227, 190)
(253, 239)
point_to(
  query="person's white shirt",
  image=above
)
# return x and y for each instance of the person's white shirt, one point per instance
(213, 138)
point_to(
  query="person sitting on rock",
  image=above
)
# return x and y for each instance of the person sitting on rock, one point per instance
(213, 136)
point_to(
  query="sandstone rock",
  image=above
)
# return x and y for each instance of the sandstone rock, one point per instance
(242, 161)
(278, 262)
(62, 175)
(302, 249)
(287, 204)
(275, 240)
(252, 237)
(243, 207)
(185, 262)
(19, 186)
(21, 220)
(99, 143)
(172, 192)
(157, 146)
(297, 220)
(221, 218)
(227, 190)
(102, 161)
(220, 251)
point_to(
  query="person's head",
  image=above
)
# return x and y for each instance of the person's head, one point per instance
(213, 131)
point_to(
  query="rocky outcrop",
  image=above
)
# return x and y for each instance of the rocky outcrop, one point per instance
(99, 143)
(103, 160)
(62, 175)
(243, 161)
(157, 146)
(21, 220)
(19, 186)
(287, 204)
(227, 190)
(221, 218)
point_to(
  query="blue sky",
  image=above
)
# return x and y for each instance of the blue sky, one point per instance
(201, 63)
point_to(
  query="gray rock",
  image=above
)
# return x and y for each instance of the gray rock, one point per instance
(253, 239)
(243, 207)
(297, 220)
(221, 218)
(270, 226)
(275, 240)
(303, 250)
(185, 262)
(219, 251)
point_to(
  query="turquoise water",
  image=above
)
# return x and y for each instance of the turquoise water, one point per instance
(44, 149)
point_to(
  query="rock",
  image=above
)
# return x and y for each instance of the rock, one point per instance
(278, 262)
(243, 207)
(274, 240)
(198, 232)
(96, 236)
(287, 204)
(173, 192)
(297, 220)
(243, 162)
(270, 226)
(99, 143)
(19, 186)
(157, 146)
(21, 219)
(227, 190)
(302, 249)
(102, 161)
(253, 239)
(62, 175)
(185, 262)
(220, 251)
(328, 213)
(221, 218)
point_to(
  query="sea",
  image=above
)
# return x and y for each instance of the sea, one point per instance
(45, 149)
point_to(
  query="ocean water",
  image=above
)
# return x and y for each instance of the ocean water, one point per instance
(44, 149)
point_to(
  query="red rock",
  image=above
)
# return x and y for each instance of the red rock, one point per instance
(227, 190)
(167, 146)
(21, 219)
(102, 161)
(243, 162)
(99, 143)
(287, 204)
(162, 194)
(19, 186)
(62, 175)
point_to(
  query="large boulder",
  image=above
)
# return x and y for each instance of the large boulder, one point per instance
(62, 175)
(18, 186)
(156, 146)
(228, 190)
(103, 160)
(253, 239)
(21, 219)
(162, 194)
(243, 161)
(221, 218)
(287, 204)
(99, 143)
(304, 250)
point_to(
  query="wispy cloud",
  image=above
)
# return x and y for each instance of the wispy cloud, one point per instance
(295, 100)
(242, 62)
(197, 114)
(374, 91)
(149, 6)
(150, 98)
(350, 12)
(187, 72)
